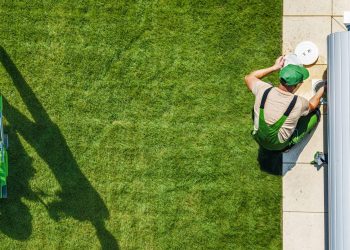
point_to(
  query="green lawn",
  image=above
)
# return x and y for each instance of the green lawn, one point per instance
(129, 124)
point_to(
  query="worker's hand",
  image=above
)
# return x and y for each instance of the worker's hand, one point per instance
(321, 87)
(278, 63)
(321, 90)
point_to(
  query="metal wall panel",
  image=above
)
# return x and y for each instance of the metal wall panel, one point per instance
(338, 92)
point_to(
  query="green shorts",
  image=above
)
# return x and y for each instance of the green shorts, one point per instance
(304, 126)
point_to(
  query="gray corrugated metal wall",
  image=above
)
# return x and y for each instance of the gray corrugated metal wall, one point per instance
(339, 140)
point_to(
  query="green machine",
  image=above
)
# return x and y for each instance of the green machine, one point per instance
(3, 157)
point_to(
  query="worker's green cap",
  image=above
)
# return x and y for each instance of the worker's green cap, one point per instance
(293, 74)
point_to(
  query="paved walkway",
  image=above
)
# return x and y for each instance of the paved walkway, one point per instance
(305, 186)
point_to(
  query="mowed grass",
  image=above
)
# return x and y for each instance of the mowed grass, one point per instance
(129, 124)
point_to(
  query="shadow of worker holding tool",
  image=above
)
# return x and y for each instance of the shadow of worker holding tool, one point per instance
(15, 217)
(77, 198)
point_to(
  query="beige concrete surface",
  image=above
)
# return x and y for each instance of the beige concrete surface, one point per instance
(306, 28)
(303, 231)
(313, 7)
(305, 150)
(339, 6)
(337, 24)
(305, 185)
(303, 189)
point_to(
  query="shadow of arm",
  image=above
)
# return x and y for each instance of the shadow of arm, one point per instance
(26, 93)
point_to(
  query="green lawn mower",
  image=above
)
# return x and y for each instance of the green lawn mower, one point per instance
(3, 157)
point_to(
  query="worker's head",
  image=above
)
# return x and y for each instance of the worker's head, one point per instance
(291, 76)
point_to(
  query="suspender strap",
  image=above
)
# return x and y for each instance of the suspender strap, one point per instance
(291, 106)
(263, 100)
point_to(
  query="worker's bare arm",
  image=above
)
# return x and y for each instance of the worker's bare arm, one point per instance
(255, 76)
(315, 100)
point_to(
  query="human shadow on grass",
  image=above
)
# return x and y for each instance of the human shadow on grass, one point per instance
(270, 161)
(77, 198)
(273, 163)
(15, 217)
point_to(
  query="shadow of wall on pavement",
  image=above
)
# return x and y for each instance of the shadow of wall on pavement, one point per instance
(77, 198)
(325, 178)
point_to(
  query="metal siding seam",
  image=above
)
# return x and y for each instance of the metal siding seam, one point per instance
(347, 139)
(329, 93)
(339, 139)
(345, 176)
(339, 107)
(331, 124)
(345, 129)
(335, 165)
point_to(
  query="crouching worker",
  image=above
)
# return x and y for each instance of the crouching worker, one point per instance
(281, 118)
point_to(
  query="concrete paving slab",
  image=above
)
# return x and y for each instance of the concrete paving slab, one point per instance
(305, 150)
(337, 25)
(339, 6)
(304, 231)
(304, 188)
(316, 72)
(304, 185)
(306, 28)
(313, 7)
